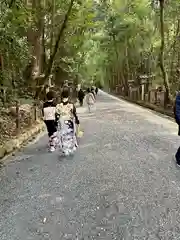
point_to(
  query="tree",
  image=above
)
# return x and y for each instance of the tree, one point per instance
(107, 42)
(161, 56)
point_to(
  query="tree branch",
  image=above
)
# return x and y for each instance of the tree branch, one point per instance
(11, 3)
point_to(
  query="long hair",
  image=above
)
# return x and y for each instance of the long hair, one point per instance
(50, 95)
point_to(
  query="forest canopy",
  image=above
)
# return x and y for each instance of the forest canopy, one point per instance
(105, 42)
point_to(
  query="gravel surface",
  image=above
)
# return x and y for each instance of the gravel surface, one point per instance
(122, 183)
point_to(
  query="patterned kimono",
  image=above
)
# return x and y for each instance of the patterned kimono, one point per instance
(90, 100)
(67, 127)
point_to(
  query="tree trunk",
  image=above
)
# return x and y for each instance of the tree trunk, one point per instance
(174, 49)
(161, 55)
(42, 81)
(52, 27)
(43, 51)
(60, 34)
(127, 61)
(34, 38)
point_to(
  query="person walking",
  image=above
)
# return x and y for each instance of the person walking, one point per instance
(49, 117)
(67, 122)
(93, 92)
(177, 118)
(81, 97)
(96, 90)
(90, 99)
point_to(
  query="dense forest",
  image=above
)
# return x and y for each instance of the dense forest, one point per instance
(106, 42)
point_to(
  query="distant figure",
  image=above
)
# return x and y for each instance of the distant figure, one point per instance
(177, 118)
(68, 120)
(96, 90)
(81, 96)
(93, 92)
(90, 99)
(49, 116)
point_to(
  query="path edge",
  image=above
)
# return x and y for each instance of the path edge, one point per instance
(145, 105)
(16, 143)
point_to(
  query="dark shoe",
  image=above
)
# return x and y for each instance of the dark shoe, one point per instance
(178, 164)
(175, 161)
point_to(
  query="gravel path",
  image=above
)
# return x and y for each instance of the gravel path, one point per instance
(121, 184)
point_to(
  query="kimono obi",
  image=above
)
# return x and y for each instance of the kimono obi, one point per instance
(65, 111)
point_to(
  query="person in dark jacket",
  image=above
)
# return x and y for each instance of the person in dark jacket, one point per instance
(177, 118)
(81, 96)
(93, 92)
(96, 90)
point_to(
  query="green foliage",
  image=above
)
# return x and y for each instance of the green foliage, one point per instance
(108, 42)
(127, 41)
(13, 43)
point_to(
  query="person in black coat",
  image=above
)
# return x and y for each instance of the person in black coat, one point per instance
(177, 118)
(93, 92)
(96, 90)
(81, 96)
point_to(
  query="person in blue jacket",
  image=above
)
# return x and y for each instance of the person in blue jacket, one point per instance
(177, 118)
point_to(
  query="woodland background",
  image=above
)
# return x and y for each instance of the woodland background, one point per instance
(128, 47)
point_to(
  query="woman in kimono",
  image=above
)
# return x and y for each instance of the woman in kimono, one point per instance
(90, 99)
(67, 121)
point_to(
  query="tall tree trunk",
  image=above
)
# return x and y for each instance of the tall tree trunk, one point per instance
(42, 80)
(174, 49)
(161, 55)
(34, 38)
(43, 51)
(60, 34)
(127, 61)
(52, 27)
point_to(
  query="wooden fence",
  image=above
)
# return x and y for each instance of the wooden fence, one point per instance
(153, 96)
(26, 117)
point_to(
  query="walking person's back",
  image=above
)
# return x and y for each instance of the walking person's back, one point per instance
(96, 90)
(90, 99)
(68, 120)
(49, 116)
(81, 96)
(93, 92)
